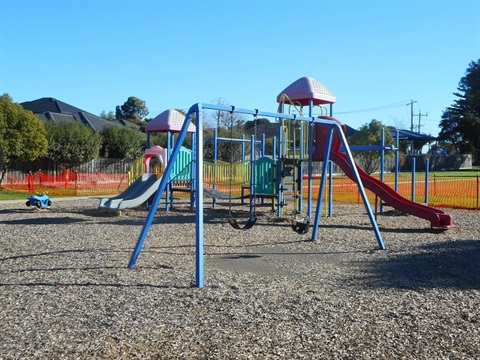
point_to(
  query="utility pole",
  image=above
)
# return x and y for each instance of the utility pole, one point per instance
(411, 122)
(420, 118)
(411, 114)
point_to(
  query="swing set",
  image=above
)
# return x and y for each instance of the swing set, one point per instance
(261, 175)
(253, 218)
(198, 180)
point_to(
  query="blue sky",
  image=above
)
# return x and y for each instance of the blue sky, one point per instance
(94, 54)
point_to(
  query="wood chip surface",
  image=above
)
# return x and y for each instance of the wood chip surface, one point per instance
(66, 291)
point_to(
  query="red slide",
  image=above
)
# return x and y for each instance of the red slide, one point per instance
(437, 218)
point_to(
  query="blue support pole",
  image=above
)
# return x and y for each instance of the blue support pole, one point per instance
(330, 189)
(199, 245)
(193, 195)
(274, 148)
(215, 163)
(243, 147)
(358, 180)
(330, 200)
(163, 185)
(280, 140)
(323, 181)
(310, 161)
(362, 192)
(252, 173)
(167, 189)
(382, 165)
(263, 145)
(302, 143)
(279, 172)
(299, 185)
(427, 175)
(414, 165)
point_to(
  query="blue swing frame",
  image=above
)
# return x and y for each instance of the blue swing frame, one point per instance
(196, 110)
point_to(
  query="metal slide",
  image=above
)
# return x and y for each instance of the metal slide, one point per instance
(135, 195)
(437, 218)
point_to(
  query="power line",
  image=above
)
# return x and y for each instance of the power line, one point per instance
(383, 107)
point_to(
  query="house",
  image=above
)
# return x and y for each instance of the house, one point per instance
(56, 110)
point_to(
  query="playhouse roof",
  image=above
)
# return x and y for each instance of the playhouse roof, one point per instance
(304, 89)
(169, 120)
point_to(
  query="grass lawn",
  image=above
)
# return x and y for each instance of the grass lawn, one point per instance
(24, 194)
(473, 172)
(13, 195)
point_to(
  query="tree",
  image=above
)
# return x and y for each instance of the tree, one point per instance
(371, 134)
(122, 142)
(227, 151)
(133, 110)
(228, 120)
(22, 134)
(251, 123)
(71, 142)
(110, 116)
(460, 123)
(224, 119)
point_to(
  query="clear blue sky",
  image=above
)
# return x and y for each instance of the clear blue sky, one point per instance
(94, 54)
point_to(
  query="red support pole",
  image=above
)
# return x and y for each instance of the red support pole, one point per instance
(31, 187)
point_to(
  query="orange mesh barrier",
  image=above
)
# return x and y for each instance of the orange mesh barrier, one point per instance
(68, 183)
(452, 192)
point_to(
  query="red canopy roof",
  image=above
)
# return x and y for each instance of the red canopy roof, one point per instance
(169, 120)
(304, 89)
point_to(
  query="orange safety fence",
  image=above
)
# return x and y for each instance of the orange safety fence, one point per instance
(450, 192)
(67, 183)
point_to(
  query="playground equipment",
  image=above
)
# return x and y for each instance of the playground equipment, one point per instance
(196, 111)
(253, 218)
(135, 195)
(437, 218)
(259, 167)
(171, 122)
(296, 146)
(142, 189)
(325, 136)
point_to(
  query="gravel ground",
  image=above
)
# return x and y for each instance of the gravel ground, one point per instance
(66, 291)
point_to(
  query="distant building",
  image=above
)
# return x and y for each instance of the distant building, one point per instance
(57, 111)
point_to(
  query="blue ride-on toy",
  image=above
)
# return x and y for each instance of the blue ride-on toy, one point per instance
(40, 201)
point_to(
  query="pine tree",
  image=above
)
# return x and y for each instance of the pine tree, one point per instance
(460, 122)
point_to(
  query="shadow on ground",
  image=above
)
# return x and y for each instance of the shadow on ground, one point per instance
(453, 264)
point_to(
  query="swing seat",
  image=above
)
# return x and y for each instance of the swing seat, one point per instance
(301, 227)
(233, 222)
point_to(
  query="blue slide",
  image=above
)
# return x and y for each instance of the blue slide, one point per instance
(135, 195)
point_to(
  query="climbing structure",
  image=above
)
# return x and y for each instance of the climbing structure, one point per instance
(296, 140)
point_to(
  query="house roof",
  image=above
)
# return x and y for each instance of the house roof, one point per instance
(56, 110)
(410, 135)
(402, 134)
